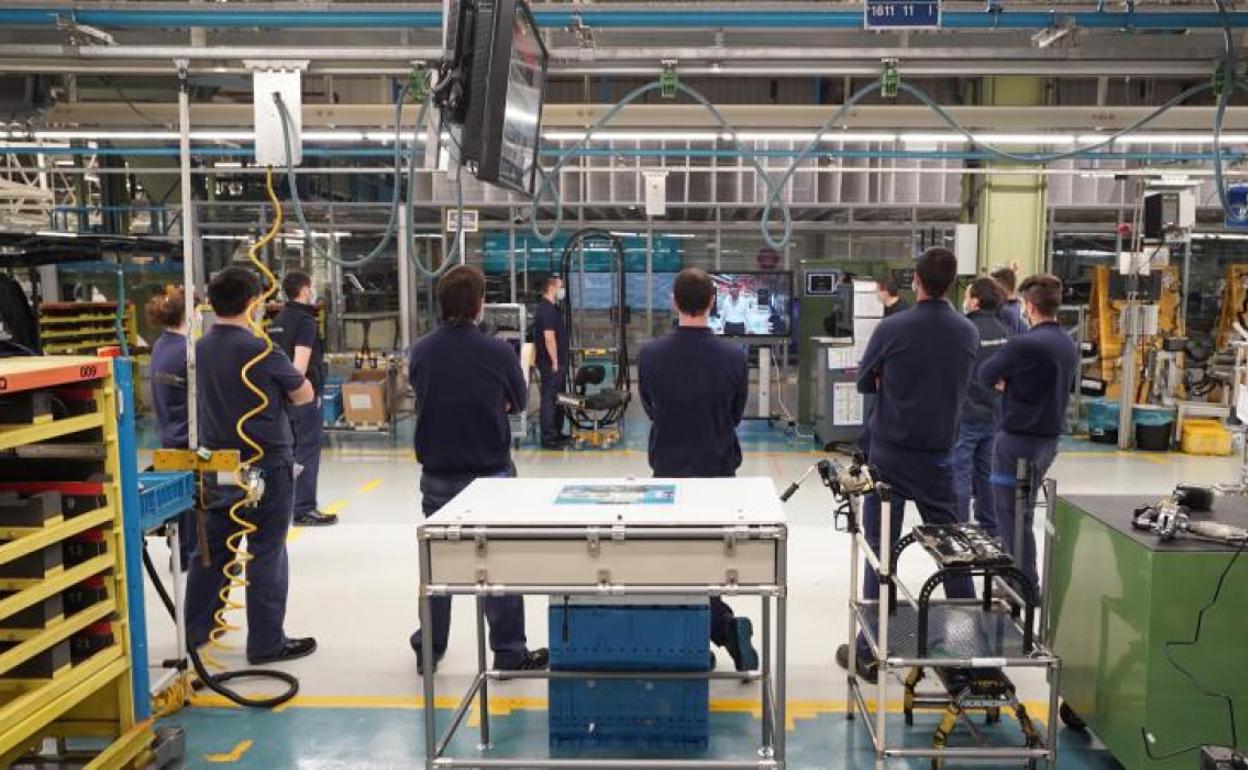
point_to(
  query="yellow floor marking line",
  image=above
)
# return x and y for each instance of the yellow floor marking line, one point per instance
(293, 534)
(370, 486)
(233, 756)
(1157, 458)
(335, 507)
(504, 706)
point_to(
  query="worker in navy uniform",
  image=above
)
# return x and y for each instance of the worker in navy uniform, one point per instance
(890, 296)
(918, 365)
(550, 336)
(1036, 372)
(224, 399)
(1011, 310)
(972, 455)
(694, 388)
(297, 333)
(466, 384)
(169, 392)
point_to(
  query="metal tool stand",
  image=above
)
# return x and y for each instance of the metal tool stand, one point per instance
(720, 537)
(974, 638)
(515, 316)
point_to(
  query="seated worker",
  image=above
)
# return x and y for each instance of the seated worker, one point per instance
(223, 399)
(890, 296)
(297, 333)
(972, 455)
(1036, 372)
(550, 337)
(694, 388)
(918, 364)
(1011, 312)
(169, 398)
(466, 383)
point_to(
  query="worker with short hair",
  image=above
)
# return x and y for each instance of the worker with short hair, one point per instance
(918, 364)
(1036, 373)
(890, 296)
(550, 337)
(466, 384)
(220, 358)
(169, 391)
(1011, 310)
(296, 331)
(735, 309)
(694, 388)
(972, 454)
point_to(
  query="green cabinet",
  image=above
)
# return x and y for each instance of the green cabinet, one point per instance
(1117, 597)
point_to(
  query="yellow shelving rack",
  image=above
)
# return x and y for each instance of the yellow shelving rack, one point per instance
(83, 327)
(66, 658)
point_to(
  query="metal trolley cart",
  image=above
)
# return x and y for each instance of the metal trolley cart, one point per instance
(977, 639)
(613, 537)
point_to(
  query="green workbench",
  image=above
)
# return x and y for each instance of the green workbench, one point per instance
(1116, 597)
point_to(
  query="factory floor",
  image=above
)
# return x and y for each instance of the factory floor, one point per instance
(353, 588)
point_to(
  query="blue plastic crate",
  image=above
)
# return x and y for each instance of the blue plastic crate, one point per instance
(165, 495)
(331, 403)
(629, 638)
(633, 713)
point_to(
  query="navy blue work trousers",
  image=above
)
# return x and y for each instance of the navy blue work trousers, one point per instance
(307, 425)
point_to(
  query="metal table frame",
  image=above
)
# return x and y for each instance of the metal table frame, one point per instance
(771, 677)
(876, 721)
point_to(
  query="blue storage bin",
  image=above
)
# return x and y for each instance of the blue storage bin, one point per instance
(163, 495)
(629, 637)
(633, 713)
(1103, 418)
(331, 403)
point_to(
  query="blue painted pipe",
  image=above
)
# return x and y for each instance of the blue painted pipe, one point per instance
(224, 17)
(344, 152)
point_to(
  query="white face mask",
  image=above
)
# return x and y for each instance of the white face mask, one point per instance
(312, 298)
(561, 294)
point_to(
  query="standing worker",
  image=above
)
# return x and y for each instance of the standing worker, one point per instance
(297, 333)
(972, 455)
(224, 399)
(695, 388)
(1011, 311)
(890, 296)
(918, 364)
(1036, 372)
(550, 337)
(735, 311)
(169, 397)
(466, 383)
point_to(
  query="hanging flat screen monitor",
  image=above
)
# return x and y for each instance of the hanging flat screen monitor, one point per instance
(500, 47)
(752, 304)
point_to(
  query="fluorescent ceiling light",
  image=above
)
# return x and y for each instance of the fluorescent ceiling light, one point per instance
(227, 164)
(54, 234)
(215, 237)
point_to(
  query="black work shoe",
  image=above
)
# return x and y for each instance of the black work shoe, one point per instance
(291, 649)
(557, 444)
(315, 518)
(414, 641)
(868, 671)
(534, 660)
(739, 647)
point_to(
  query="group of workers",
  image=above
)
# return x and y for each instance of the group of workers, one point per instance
(288, 432)
(965, 407)
(962, 405)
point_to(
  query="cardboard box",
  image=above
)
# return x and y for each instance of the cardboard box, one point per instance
(364, 399)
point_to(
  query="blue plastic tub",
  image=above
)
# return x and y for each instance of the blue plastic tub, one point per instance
(632, 713)
(164, 495)
(331, 403)
(1103, 420)
(629, 638)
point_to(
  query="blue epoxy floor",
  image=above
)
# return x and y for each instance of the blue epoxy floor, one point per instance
(373, 739)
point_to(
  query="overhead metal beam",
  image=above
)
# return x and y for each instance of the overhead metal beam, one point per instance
(683, 116)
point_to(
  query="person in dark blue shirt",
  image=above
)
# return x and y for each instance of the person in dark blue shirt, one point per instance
(550, 337)
(694, 388)
(1036, 372)
(169, 391)
(466, 383)
(918, 364)
(1011, 310)
(972, 455)
(296, 331)
(222, 358)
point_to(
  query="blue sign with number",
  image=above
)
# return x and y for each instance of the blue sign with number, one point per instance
(902, 14)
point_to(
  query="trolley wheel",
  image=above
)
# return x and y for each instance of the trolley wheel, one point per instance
(1071, 719)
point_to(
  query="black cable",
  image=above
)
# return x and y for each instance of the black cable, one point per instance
(1167, 650)
(133, 108)
(216, 682)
